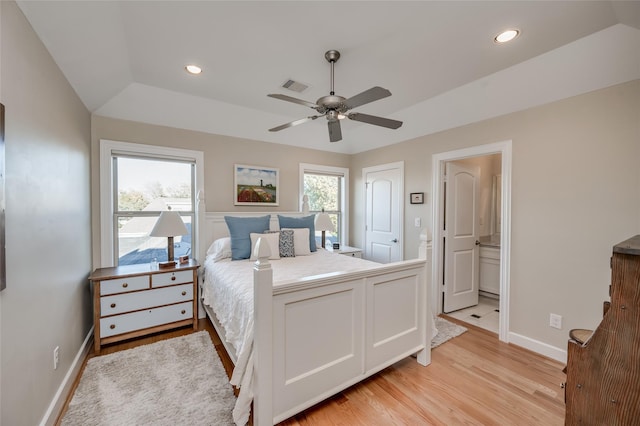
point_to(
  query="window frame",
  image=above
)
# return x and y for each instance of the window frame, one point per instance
(344, 192)
(108, 149)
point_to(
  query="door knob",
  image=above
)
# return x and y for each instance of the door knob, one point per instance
(395, 240)
(477, 242)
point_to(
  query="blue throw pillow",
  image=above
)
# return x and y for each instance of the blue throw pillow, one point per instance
(239, 230)
(301, 222)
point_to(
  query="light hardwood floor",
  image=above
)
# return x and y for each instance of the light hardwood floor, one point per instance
(473, 379)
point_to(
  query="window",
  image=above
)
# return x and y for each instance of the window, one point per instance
(327, 189)
(144, 187)
(137, 183)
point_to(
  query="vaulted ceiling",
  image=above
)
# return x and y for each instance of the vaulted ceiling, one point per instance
(126, 59)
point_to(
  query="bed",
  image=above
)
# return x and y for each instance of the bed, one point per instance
(300, 329)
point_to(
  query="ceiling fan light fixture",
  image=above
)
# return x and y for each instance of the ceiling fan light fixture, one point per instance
(193, 69)
(335, 108)
(506, 36)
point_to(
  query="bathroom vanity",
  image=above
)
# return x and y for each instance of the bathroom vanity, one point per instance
(490, 267)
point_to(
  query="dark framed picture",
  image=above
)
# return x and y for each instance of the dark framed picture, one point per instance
(255, 185)
(417, 197)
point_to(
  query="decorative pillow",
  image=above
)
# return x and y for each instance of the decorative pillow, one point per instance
(220, 249)
(272, 238)
(240, 228)
(286, 243)
(301, 222)
(300, 241)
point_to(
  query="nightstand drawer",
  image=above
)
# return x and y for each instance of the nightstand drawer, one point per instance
(171, 278)
(357, 254)
(124, 323)
(119, 303)
(122, 285)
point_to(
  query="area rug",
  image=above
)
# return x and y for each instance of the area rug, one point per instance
(446, 331)
(179, 381)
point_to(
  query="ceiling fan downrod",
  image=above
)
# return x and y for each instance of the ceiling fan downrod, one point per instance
(332, 56)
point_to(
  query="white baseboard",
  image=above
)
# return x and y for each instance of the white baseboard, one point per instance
(538, 347)
(55, 408)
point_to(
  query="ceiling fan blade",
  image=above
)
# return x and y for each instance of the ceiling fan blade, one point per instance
(294, 100)
(367, 96)
(372, 119)
(335, 132)
(294, 123)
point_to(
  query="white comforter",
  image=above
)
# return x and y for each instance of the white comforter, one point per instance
(228, 290)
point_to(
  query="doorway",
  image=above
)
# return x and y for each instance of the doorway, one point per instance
(503, 228)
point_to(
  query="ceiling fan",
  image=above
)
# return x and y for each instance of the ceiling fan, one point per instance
(336, 107)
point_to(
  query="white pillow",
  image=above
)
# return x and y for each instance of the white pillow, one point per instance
(220, 249)
(272, 238)
(300, 241)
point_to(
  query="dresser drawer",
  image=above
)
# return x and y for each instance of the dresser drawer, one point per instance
(171, 278)
(124, 323)
(122, 285)
(119, 303)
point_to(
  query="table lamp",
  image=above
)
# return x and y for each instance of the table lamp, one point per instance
(324, 223)
(169, 225)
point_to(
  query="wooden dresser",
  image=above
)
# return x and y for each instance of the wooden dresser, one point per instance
(603, 367)
(133, 300)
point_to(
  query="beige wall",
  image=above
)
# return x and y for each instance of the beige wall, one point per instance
(220, 154)
(575, 193)
(47, 299)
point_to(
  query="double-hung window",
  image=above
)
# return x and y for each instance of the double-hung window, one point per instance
(327, 190)
(138, 183)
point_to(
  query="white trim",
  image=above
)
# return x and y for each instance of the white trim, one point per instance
(539, 347)
(64, 390)
(378, 168)
(438, 161)
(333, 170)
(107, 147)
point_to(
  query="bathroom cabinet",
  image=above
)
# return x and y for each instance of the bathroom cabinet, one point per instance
(490, 270)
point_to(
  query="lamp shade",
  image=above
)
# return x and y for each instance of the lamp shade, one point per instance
(169, 224)
(324, 223)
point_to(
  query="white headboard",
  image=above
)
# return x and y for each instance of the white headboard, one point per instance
(215, 227)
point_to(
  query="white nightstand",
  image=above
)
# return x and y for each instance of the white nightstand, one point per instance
(346, 250)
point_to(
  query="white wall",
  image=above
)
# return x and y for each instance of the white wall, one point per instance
(47, 300)
(575, 194)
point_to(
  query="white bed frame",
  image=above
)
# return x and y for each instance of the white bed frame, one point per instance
(319, 335)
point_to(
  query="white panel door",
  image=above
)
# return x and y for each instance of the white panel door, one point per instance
(462, 221)
(383, 214)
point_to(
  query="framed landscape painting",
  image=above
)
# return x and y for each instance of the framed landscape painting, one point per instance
(256, 185)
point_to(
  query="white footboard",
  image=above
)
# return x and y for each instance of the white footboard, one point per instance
(316, 337)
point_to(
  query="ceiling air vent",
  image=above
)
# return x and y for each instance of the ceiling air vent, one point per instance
(296, 86)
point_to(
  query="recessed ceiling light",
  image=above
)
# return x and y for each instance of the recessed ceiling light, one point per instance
(193, 69)
(506, 36)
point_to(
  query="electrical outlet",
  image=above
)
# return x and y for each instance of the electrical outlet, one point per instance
(56, 357)
(555, 321)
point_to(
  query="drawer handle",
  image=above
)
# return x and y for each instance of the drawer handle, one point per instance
(173, 278)
(184, 293)
(183, 312)
(112, 326)
(113, 305)
(125, 285)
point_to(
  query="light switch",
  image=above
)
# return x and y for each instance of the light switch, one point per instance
(416, 222)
